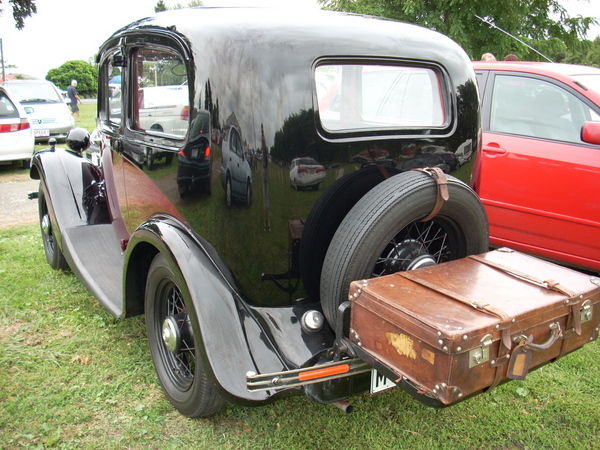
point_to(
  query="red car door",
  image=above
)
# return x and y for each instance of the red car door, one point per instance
(539, 182)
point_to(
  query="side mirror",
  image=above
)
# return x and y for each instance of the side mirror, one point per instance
(590, 132)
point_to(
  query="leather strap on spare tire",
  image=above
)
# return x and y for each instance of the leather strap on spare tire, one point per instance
(442, 189)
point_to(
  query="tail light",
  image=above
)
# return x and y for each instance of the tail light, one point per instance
(207, 152)
(185, 113)
(320, 169)
(23, 124)
(302, 170)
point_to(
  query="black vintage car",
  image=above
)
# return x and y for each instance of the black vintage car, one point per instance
(240, 277)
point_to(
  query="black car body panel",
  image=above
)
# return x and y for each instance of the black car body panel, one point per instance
(253, 71)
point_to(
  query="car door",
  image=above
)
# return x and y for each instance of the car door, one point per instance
(539, 182)
(128, 127)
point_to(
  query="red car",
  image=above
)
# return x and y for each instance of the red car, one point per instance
(538, 173)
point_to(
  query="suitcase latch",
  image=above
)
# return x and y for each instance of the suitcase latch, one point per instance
(480, 355)
(586, 311)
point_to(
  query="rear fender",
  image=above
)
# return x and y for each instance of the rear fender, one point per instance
(222, 318)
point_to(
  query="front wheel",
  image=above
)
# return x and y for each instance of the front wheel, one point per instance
(383, 233)
(173, 336)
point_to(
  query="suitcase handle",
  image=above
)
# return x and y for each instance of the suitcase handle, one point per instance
(555, 334)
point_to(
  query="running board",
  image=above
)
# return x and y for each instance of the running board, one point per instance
(308, 375)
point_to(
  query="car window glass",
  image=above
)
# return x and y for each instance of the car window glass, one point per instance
(537, 108)
(36, 92)
(114, 81)
(7, 109)
(161, 101)
(359, 97)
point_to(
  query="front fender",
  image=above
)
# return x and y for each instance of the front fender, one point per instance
(222, 317)
(62, 175)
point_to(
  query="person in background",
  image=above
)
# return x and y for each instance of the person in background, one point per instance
(75, 100)
(511, 57)
(488, 57)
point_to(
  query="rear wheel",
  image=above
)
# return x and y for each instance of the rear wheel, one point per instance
(383, 234)
(326, 216)
(54, 254)
(173, 336)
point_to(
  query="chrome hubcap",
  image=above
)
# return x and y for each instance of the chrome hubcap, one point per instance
(170, 334)
(46, 225)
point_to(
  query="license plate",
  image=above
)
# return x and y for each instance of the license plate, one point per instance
(379, 382)
(41, 132)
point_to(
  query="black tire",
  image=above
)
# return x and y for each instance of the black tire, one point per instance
(382, 233)
(178, 363)
(54, 254)
(150, 159)
(248, 201)
(325, 218)
(228, 191)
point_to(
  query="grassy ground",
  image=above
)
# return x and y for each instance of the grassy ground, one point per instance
(71, 376)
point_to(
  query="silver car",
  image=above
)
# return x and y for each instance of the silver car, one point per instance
(48, 113)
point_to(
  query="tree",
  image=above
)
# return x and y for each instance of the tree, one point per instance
(160, 5)
(84, 73)
(21, 10)
(543, 24)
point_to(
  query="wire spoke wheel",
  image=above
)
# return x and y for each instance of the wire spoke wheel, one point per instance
(383, 233)
(416, 245)
(173, 336)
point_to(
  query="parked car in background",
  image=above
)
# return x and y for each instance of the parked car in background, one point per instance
(538, 173)
(306, 173)
(46, 108)
(16, 134)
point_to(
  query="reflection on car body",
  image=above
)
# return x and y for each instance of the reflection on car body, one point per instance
(236, 174)
(536, 174)
(306, 172)
(229, 290)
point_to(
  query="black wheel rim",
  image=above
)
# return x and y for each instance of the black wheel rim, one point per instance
(179, 365)
(417, 245)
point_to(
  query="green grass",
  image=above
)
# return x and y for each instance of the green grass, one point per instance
(73, 377)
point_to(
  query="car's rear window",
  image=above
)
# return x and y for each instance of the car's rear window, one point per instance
(7, 109)
(354, 97)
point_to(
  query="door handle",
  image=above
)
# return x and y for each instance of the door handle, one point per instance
(493, 149)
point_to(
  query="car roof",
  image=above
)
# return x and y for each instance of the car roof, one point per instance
(27, 82)
(541, 68)
(216, 29)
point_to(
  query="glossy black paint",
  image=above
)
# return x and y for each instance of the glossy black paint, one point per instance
(250, 72)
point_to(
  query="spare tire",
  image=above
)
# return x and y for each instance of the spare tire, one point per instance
(325, 217)
(382, 234)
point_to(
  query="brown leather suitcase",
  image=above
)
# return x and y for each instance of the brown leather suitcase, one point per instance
(462, 327)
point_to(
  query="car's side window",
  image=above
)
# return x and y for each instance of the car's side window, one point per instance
(113, 89)
(160, 101)
(537, 108)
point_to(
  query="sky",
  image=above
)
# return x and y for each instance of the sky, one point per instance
(66, 30)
